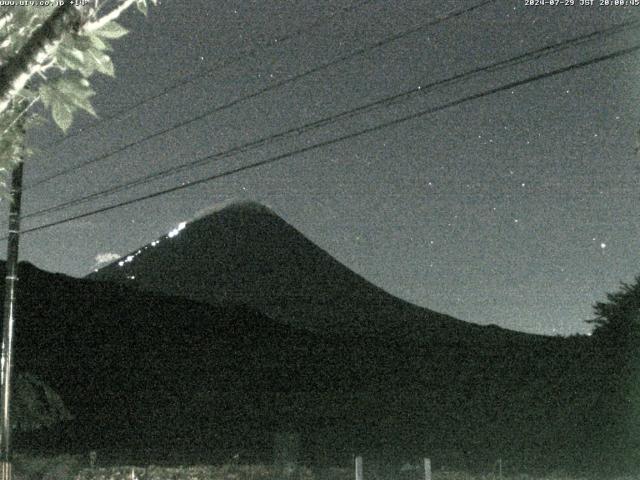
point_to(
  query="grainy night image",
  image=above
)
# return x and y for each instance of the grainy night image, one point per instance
(321, 240)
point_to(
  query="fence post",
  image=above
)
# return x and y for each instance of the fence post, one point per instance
(359, 475)
(427, 469)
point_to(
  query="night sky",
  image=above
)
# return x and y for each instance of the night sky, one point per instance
(518, 208)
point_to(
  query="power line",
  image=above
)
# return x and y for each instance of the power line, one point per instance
(349, 136)
(250, 52)
(294, 78)
(496, 66)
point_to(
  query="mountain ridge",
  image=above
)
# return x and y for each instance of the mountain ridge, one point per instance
(245, 253)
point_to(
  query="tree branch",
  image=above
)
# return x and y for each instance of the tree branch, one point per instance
(112, 15)
(20, 115)
(19, 69)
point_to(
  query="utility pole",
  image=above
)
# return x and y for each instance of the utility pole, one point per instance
(11, 280)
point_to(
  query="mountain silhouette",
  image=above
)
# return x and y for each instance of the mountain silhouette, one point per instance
(246, 254)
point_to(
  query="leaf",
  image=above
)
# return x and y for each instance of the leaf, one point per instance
(92, 59)
(111, 30)
(79, 42)
(84, 104)
(46, 94)
(89, 66)
(62, 115)
(99, 43)
(65, 95)
(103, 62)
(142, 6)
(74, 91)
(71, 58)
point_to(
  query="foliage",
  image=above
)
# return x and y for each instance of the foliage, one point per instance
(619, 316)
(35, 405)
(13, 125)
(61, 81)
(61, 467)
(617, 374)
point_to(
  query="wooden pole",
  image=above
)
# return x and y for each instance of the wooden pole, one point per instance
(6, 360)
(427, 469)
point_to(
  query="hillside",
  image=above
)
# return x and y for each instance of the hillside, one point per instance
(145, 372)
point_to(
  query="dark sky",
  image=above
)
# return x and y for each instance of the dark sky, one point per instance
(518, 208)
